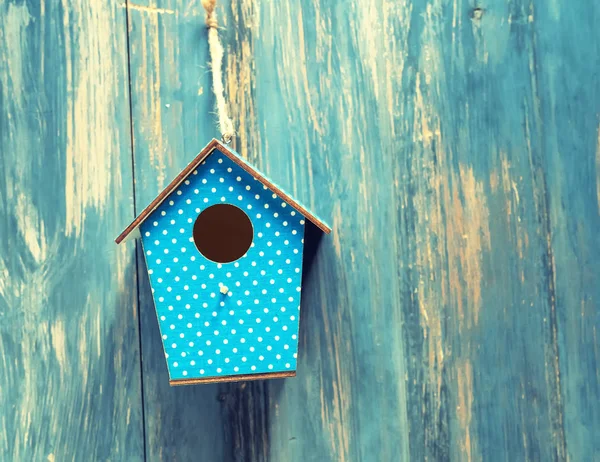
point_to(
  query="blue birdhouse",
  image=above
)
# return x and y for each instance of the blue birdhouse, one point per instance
(224, 248)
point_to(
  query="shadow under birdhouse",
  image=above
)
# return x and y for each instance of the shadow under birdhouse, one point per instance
(312, 241)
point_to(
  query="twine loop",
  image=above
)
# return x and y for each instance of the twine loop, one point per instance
(216, 61)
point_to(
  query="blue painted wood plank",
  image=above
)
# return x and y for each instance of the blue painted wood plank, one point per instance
(568, 106)
(452, 314)
(172, 122)
(70, 373)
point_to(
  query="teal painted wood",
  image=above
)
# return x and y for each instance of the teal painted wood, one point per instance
(453, 315)
(69, 356)
(568, 108)
(168, 64)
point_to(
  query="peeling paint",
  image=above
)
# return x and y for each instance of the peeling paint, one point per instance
(91, 136)
(147, 9)
(59, 343)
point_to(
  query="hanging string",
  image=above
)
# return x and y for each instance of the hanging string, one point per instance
(216, 58)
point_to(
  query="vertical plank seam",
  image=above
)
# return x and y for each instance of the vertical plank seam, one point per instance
(136, 255)
(267, 429)
(556, 412)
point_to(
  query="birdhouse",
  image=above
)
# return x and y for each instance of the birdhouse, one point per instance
(224, 248)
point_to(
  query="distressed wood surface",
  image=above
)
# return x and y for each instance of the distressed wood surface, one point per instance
(70, 385)
(454, 147)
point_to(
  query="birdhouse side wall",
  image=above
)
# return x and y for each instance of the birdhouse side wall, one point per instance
(253, 327)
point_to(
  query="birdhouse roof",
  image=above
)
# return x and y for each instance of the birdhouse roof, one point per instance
(133, 228)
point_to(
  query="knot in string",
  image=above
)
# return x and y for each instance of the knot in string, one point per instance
(211, 17)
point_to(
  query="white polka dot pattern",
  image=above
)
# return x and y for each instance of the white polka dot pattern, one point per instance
(253, 326)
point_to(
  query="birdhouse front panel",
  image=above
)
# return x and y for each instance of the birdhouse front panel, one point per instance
(224, 257)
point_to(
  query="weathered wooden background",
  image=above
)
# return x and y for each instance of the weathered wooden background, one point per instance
(453, 145)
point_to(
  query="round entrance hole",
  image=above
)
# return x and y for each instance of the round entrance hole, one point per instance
(223, 233)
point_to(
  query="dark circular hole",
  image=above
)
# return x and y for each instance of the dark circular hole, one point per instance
(223, 233)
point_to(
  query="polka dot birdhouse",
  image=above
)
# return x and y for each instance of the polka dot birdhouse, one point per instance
(224, 248)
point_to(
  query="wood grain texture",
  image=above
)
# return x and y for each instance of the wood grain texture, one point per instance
(439, 138)
(69, 355)
(454, 147)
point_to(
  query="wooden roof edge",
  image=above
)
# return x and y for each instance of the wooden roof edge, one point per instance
(208, 149)
(233, 378)
(168, 190)
(238, 160)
